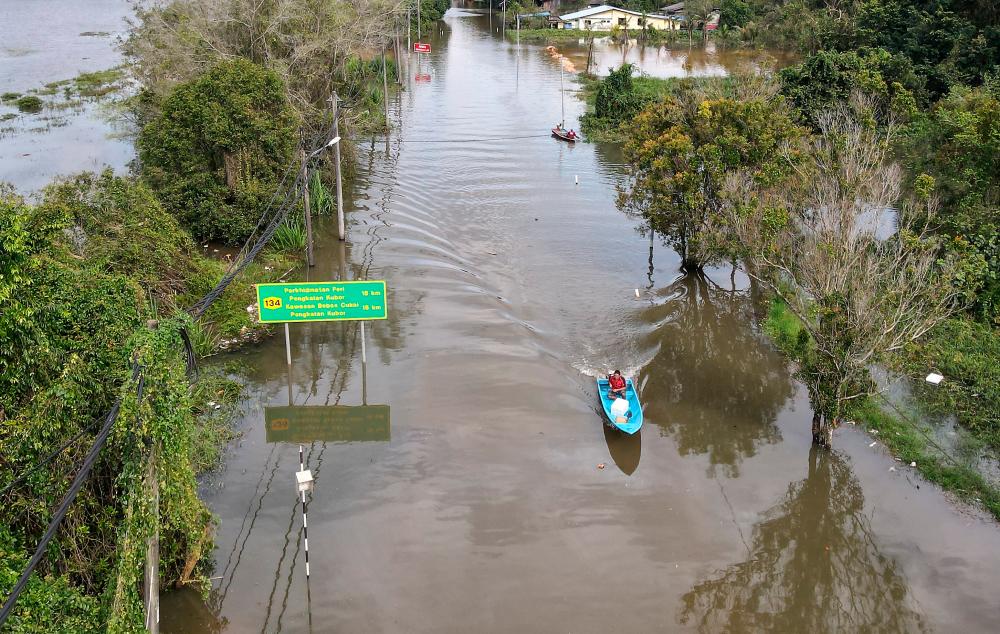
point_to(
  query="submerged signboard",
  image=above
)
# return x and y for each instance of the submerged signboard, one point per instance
(321, 301)
(335, 423)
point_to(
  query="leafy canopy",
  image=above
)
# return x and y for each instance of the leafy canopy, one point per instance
(219, 148)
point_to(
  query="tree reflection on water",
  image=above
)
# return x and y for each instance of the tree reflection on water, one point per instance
(813, 566)
(713, 384)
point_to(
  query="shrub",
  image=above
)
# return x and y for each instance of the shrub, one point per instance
(29, 103)
(217, 150)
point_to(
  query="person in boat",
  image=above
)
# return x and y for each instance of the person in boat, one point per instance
(616, 385)
(559, 127)
(571, 134)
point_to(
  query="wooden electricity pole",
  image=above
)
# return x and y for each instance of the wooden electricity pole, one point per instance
(306, 210)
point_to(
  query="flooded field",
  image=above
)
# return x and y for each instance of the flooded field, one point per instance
(51, 41)
(495, 500)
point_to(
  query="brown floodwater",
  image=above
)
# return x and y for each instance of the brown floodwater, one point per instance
(485, 508)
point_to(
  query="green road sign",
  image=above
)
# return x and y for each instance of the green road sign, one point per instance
(308, 423)
(321, 301)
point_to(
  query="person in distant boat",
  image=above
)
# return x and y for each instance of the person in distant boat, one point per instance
(571, 134)
(559, 127)
(616, 385)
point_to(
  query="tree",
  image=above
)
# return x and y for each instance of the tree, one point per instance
(861, 289)
(307, 43)
(616, 98)
(734, 13)
(216, 152)
(683, 150)
(827, 78)
(958, 143)
(698, 12)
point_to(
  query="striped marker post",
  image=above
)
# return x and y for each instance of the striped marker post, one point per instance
(305, 522)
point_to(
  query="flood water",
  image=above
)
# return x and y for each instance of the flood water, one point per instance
(43, 41)
(486, 509)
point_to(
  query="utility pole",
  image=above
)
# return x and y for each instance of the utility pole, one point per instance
(418, 20)
(305, 208)
(336, 165)
(151, 576)
(399, 58)
(385, 91)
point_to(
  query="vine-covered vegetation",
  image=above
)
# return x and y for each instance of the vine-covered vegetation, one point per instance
(97, 273)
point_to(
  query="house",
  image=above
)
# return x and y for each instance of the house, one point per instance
(604, 17)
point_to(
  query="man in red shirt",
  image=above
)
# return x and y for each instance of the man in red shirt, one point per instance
(616, 382)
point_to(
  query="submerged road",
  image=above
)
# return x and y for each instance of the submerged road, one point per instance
(510, 288)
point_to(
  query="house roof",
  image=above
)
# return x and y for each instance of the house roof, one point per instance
(603, 9)
(673, 8)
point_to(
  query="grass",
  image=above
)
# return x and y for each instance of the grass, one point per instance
(9, 96)
(322, 201)
(217, 398)
(99, 83)
(542, 36)
(647, 89)
(966, 352)
(290, 236)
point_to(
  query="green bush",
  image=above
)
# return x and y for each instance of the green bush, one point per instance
(116, 225)
(48, 603)
(218, 149)
(29, 103)
(290, 236)
(616, 99)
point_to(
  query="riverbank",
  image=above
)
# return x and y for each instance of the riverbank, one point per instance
(914, 437)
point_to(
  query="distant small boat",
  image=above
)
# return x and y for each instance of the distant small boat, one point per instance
(564, 135)
(632, 420)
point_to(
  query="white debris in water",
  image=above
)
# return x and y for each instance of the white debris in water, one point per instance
(913, 464)
(934, 378)
(892, 468)
(637, 293)
(871, 445)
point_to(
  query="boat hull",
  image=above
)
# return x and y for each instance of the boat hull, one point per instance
(562, 134)
(629, 425)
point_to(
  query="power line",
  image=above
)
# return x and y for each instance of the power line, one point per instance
(78, 482)
(197, 310)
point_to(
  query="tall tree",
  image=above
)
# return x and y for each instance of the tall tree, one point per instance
(685, 147)
(863, 281)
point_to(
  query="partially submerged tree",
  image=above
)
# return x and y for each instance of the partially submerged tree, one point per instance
(862, 285)
(684, 148)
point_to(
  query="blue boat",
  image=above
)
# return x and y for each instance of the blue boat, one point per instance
(632, 421)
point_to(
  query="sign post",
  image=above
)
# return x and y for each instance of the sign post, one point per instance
(321, 301)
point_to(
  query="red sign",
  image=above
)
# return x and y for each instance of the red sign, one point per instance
(420, 47)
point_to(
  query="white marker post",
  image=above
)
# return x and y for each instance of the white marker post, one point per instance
(288, 346)
(304, 482)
